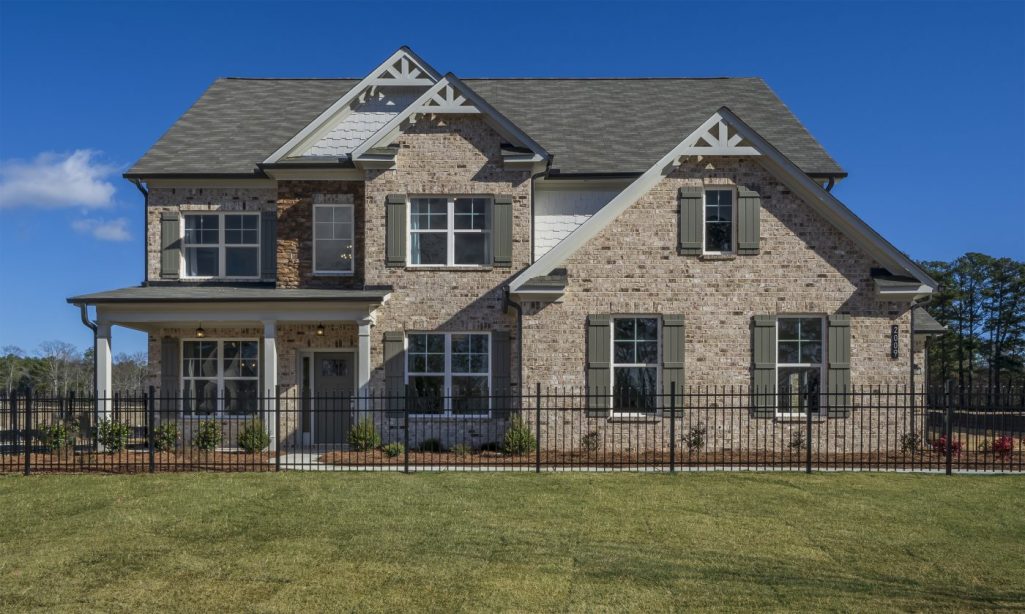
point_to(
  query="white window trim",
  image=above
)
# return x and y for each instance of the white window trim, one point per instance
(822, 366)
(613, 364)
(704, 219)
(352, 224)
(447, 410)
(221, 246)
(220, 414)
(450, 231)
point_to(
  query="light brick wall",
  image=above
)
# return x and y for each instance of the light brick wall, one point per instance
(295, 233)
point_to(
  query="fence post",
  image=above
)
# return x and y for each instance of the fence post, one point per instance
(151, 424)
(277, 427)
(537, 428)
(672, 428)
(27, 438)
(405, 429)
(15, 431)
(807, 457)
(948, 429)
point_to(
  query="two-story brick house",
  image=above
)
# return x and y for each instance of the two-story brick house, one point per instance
(416, 231)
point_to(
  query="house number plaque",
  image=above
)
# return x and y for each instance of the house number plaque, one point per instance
(894, 338)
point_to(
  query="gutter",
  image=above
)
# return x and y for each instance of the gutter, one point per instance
(84, 312)
(508, 302)
(145, 223)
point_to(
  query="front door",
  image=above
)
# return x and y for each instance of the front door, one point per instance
(333, 382)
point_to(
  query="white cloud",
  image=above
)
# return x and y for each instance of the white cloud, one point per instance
(57, 180)
(104, 230)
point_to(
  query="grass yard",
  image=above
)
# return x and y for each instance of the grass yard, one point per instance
(471, 542)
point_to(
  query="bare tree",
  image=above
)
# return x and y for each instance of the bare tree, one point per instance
(62, 366)
(130, 372)
(13, 365)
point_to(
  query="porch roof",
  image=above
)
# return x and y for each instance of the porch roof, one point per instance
(228, 294)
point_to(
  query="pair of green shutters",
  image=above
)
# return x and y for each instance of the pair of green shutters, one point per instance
(692, 220)
(763, 345)
(171, 244)
(396, 231)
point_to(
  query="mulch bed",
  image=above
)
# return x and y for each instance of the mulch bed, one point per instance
(132, 461)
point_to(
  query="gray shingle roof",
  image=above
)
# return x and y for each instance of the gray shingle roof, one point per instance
(229, 294)
(588, 125)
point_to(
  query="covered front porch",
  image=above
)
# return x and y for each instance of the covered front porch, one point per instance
(226, 354)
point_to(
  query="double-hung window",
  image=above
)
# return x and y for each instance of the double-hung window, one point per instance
(799, 364)
(450, 231)
(220, 377)
(222, 245)
(332, 240)
(719, 211)
(449, 373)
(634, 365)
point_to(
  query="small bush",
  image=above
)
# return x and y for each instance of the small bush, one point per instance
(518, 438)
(431, 445)
(165, 437)
(591, 442)
(207, 436)
(394, 449)
(939, 446)
(113, 435)
(910, 443)
(364, 436)
(253, 437)
(58, 436)
(461, 449)
(797, 441)
(695, 438)
(1003, 447)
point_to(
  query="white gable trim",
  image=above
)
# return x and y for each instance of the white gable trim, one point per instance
(769, 157)
(402, 68)
(451, 96)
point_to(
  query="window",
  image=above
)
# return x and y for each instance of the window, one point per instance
(634, 365)
(718, 221)
(222, 245)
(332, 239)
(450, 231)
(799, 364)
(458, 364)
(220, 377)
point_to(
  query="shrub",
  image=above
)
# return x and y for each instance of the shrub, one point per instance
(910, 443)
(112, 435)
(165, 436)
(797, 440)
(939, 446)
(461, 449)
(518, 438)
(1003, 447)
(253, 437)
(431, 445)
(363, 436)
(695, 438)
(394, 449)
(58, 436)
(591, 442)
(207, 436)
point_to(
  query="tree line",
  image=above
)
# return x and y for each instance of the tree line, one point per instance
(981, 301)
(59, 368)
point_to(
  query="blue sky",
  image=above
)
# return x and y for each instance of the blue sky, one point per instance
(922, 103)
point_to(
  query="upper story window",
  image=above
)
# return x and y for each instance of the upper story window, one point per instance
(634, 365)
(719, 211)
(221, 245)
(450, 231)
(333, 239)
(799, 364)
(449, 373)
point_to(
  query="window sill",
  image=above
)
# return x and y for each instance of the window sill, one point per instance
(799, 419)
(464, 268)
(635, 419)
(717, 257)
(449, 417)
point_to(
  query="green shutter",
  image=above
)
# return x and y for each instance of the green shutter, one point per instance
(763, 381)
(395, 233)
(749, 208)
(502, 231)
(170, 244)
(672, 359)
(269, 245)
(170, 387)
(395, 372)
(691, 220)
(501, 373)
(838, 376)
(599, 341)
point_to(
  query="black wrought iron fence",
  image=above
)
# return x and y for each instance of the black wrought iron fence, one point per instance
(700, 428)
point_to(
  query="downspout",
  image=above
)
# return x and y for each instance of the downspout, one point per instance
(84, 311)
(506, 295)
(145, 235)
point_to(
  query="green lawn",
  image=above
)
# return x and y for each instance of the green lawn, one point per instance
(471, 542)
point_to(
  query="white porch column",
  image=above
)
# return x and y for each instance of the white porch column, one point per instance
(363, 363)
(269, 360)
(104, 371)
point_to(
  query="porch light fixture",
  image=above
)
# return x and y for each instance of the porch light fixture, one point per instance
(320, 330)
(200, 332)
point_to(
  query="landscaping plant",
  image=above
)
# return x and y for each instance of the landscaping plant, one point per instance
(431, 445)
(112, 435)
(939, 446)
(165, 437)
(253, 437)
(394, 449)
(797, 440)
(695, 438)
(518, 438)
(58, 436)
(364, 436)
(207, 436)
(910, 443)
(1003, 447)
(590, 442)
(461, 449)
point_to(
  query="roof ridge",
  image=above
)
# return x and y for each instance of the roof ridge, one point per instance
(720, 78)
